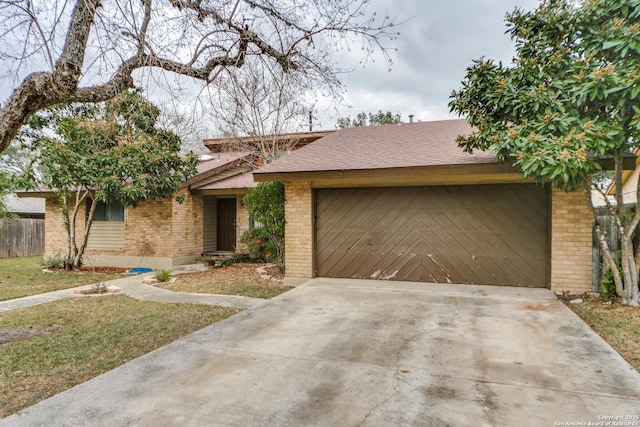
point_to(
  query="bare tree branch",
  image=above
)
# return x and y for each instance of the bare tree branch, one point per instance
(107, 41)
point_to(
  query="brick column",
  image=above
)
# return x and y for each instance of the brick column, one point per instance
(571, 242)
(298, 232)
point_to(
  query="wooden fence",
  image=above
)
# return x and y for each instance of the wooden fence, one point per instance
(608, 225)
(21, 237)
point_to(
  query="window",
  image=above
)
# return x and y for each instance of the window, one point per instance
(107, 211)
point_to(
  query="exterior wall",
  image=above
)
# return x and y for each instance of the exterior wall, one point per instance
(571, 242)
(171, 233)
(242, 222)
(55, 237)
(187, 241)
(298, 232)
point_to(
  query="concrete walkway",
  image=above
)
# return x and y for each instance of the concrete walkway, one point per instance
(133, 287)
(336, 352)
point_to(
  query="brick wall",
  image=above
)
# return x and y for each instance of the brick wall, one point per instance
(187, 226)
(298, 231)
(571, 242)
(55, 236)
(242, 222)
(148, 223)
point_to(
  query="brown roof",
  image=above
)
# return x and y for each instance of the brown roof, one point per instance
(381, 147)
(299, 138)
(240, 181)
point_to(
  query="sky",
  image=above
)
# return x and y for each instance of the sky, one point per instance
(437, 43)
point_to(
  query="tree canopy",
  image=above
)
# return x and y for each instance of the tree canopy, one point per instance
(109, 152)
(364, 119)
(570, 96)
(87, 51)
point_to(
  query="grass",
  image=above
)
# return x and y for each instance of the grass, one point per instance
(241, 287)
(617, 324)
(81, 338)
(20, 277)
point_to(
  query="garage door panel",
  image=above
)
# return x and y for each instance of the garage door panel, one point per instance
(484, 234)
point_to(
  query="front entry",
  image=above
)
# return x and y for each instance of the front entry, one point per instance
(226, 219)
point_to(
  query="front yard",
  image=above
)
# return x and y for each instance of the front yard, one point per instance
(20, 277)
(617, 324)
(51, 347)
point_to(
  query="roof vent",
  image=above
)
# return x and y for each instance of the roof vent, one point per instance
(410, 118)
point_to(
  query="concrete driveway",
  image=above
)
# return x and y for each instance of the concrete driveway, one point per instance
(337, 352)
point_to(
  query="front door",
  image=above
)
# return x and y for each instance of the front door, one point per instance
(226, 219)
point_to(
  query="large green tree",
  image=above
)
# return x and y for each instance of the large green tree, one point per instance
(570, 96)
(109, 152)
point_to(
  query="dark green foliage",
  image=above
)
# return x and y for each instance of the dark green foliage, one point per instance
(266, 206)
(110, 152)
(259, 245)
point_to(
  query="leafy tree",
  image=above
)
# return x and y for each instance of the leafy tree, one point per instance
(570, 96)
(110, 152)
(266, 206)
(56, 51)
(363, 119)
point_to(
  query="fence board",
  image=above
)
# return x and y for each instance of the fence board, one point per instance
(608, 226)
(21, 237)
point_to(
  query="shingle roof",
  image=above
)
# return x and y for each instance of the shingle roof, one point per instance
(240, 181)
(381, 147)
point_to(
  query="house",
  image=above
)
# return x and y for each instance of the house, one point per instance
(25, 208)
(164, 234)
(404, 202)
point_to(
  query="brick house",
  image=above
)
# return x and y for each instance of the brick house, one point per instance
(211, 219)
(404, 202)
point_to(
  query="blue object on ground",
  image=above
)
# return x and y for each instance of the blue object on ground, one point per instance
(141, 270)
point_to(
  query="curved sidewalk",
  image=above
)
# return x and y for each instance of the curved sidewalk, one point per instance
(133, 287)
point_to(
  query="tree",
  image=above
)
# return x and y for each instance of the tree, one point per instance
(87, 51)
(264, 104)
(110, 152)
(570, 97)
(266, 206)
(363, 119)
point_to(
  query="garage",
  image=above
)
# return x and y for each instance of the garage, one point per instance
(495, 234)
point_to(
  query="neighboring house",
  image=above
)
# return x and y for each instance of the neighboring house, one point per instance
(404, 202)
(25, 208)
(167, 233)
(22, 236)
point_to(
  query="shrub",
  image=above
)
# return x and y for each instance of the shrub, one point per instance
(53, 261)
(163, 275)
(259, 245)
(608, 284)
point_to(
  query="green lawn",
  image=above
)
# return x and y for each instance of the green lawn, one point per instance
(20, 277)
(66, 342)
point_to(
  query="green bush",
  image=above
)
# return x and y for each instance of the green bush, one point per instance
(260, 247)
(53, 261)
(163, 275)
(608, 285)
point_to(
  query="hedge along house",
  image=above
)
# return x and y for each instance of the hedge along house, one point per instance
(404, 202)
(167, 233)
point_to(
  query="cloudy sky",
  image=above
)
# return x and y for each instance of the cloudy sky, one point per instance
(435, 47)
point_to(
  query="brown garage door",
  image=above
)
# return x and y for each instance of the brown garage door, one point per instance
(480, 234)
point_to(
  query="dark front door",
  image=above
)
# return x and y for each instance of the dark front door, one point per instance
(226, 219)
